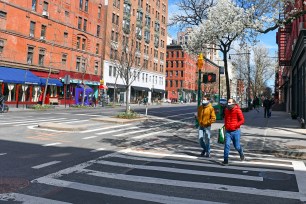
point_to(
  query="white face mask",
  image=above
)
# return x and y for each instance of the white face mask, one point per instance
(205, 102)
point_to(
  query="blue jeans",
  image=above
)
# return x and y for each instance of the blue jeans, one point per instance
(235, 137)
(204, 138)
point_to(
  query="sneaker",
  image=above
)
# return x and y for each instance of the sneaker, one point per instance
(207, 155)
(242, 158)
(202, 153)
(225, 163)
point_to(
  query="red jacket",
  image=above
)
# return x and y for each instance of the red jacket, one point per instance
(233, 118)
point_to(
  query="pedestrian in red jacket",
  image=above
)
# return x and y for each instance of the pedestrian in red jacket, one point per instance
(232, 121)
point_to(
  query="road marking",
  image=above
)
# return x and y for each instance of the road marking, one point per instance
(195, 157)
(97, 150)
(197, 163)
(86, 114)
(121, 193)
(36, 120)
(149, 134)
(27, 199)
(133, 132)
(105, 128)
(300, 173)
(1, 154)
(90, 137)
(180, 114)
(190, 184)
(182, 171)
(103, 133)
(45, 165)
(52, 144)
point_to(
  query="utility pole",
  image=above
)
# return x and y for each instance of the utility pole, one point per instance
(200, 65)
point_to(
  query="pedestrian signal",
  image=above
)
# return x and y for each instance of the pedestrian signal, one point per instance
(209, 78)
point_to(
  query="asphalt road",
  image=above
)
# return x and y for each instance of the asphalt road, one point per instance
(144, 162)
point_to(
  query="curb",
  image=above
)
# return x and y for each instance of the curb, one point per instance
(58, 126)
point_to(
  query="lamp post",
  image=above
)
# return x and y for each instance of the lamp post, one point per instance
(249, 76)
(200, 64)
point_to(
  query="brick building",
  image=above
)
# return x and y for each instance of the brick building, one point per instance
(291, 77)
(144, 23)
(56, 38)
(182, 75)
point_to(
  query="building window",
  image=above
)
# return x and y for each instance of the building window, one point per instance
(32, 28)
(79, 23)
(99, 12)
(1, 45)
(96, 67)
(34, 5)
(78, 43)
(30, 55)
(78, 64)
(67, 13)
(45, 6)
(182, 73)
(2, 14)
(86, 6)
(81, 5)
(176, 83)
(41, 57)
(97, 48)
(83, 44)
(115, 72)
(110, 71)
(65, 35)
(85, 25)
(98, 30)
(64, 59)
(83, 66)
(43, 31)
(171, 83)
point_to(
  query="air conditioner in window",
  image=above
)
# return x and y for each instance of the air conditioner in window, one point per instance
(42, 37)
(45, 13)
(32, 35)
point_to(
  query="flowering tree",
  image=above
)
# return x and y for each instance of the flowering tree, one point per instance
(228, 21)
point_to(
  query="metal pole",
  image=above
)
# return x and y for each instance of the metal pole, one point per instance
(219, 85)
(199, 88)
(249, 81)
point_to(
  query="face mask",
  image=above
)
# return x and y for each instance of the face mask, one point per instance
(230, 105)
(205, 102)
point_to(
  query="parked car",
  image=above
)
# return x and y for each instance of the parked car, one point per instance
(223, 101)
(166, 100)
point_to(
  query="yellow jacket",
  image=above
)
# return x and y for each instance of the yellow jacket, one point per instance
(206, 115)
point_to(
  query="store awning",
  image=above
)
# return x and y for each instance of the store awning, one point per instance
(102, 86)
(158, 90)
(118, 86)
(138, 88)
(52, 82)
(18, 76)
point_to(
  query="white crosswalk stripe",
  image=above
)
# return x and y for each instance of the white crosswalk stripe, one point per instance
(148, 169)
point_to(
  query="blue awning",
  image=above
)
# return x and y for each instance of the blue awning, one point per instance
(52, 82)
(17, 76)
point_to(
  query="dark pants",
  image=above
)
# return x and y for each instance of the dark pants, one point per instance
(267, 110)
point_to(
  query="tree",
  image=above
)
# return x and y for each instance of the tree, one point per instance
(125, 55)
(225, 24)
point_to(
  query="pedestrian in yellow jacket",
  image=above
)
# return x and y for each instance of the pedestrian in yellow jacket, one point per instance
(206, 117)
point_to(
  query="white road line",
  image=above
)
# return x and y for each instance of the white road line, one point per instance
(180, 114)
(182, 171)
(149, 134)
(1, 154)
(52, 144)
(300, 173)
(190, 184)
(122, 193)
(105, 128)
(45, 165)
(27, 199)
(194, 157)
(86, 114)
(33, 121)
(133, 132)
(197, 163)
(103, 133)
(90, 137)
(36, 122)
(97, 150)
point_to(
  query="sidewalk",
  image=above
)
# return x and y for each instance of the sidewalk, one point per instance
(278, 135)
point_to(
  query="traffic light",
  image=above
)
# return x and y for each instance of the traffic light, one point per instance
(209, 78)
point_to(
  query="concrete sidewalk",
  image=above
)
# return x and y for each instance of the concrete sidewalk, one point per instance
(278, 135)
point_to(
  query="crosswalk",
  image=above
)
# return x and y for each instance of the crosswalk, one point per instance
(135, 176)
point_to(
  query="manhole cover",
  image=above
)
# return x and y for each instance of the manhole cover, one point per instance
(8, 185)
(274, 175)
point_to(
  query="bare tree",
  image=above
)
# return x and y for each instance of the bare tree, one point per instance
(125, 56)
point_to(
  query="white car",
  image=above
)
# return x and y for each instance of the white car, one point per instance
(223, 101)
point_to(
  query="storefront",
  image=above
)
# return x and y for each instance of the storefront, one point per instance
(139, 93)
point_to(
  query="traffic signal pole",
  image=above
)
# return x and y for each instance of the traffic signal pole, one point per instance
(200, 65)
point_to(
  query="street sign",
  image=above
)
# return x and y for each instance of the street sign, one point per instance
(101, 82)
